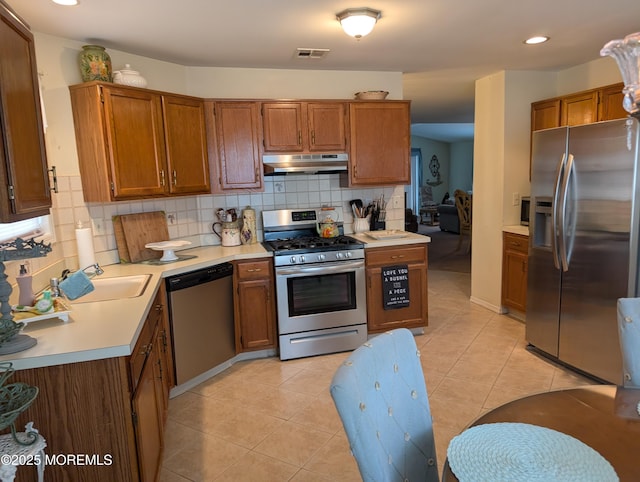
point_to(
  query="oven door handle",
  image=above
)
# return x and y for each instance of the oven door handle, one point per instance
(323, 268)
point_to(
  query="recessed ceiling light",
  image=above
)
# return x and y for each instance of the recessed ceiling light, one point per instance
(66, 2)
(536, 40)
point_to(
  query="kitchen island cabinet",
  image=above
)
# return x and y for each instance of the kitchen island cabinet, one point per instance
(415, 315)
(234, 142)
(380, 144)
(304, 126)
(254, 305)
(136, 143)
(24, 183)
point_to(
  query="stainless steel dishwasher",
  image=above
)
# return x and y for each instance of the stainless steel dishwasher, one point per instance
(201, 311)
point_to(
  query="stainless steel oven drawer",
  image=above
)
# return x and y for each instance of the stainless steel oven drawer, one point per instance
(320, 342)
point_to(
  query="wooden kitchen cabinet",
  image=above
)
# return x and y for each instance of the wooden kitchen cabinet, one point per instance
(416, 314)
(136, 143)
(111, 409)
(234, 143)
(304, 126)
(380, 144)
(24, 183)
(514, 271)
(586, 107)
(254, 305)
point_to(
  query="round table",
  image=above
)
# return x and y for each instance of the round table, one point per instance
(604, 417)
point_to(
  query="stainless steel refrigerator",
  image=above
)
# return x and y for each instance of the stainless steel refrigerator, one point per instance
(583, 247)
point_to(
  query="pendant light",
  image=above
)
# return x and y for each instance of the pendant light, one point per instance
(358, 22)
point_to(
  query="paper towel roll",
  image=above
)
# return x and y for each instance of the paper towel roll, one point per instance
(86, 251)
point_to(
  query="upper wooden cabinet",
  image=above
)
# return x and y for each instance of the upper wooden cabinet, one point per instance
(234, 135)
(24, 184)
(137, 143)
(380, 140)
(586, 107)
(304, 126)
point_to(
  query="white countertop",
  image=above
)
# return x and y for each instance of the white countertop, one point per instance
(516, 229)
(108, 329)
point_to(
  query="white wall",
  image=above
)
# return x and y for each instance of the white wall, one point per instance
(461, 166)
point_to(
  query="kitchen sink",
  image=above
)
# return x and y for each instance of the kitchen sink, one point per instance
(115, 288)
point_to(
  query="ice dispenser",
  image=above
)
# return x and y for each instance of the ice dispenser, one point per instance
(542, 226)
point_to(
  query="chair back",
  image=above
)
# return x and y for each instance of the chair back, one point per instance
(381, 397)
(629, 333)
(426, 196)
(463, 204)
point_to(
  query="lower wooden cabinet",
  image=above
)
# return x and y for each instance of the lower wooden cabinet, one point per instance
(514, 271)
(414, 315)
(254, 305)
(113, 410)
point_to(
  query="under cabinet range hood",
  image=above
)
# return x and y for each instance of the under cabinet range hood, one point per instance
(278, 164)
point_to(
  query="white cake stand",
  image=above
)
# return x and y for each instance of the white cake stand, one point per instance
(167, 248)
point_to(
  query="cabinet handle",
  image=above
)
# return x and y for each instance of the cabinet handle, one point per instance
(257, 173)
(515, 243)
(313, 137)
(175, 178)
(396, 256)
(162, 177)
(254, 270)
(146, 349)
(158, 307)
(299, 137)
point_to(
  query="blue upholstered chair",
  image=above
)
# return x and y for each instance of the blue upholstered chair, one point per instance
(381, 397)
(629, 331)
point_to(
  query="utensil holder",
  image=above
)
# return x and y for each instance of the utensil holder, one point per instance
(360, 225)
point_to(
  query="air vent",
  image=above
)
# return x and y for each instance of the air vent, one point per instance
(311, 53)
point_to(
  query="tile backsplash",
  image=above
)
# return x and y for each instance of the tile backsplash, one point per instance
(191, 217)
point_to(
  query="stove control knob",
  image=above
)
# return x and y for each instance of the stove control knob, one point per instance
(339, 255)
(321, 257)
(293, 259)
(347, 254)
(302, 260)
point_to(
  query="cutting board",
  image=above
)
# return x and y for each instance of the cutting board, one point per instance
(134, 231)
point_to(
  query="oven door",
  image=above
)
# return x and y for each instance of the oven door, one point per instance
(320, 296)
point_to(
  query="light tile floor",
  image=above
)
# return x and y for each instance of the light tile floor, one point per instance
(268, 420)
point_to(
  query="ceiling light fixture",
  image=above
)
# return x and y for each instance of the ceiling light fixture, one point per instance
(358, 22)
(67, 3)
(536, 40)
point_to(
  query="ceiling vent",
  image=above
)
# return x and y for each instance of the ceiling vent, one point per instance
(311, 53)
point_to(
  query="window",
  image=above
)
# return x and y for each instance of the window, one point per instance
(40, 227)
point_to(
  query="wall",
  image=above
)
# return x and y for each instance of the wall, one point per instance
(461, 166)
(57, 60)
(502, 156)
(429, 148)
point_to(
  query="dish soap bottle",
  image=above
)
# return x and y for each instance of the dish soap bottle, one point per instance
(25, 285)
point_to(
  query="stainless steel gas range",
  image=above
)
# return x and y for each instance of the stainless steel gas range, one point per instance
(320, 283)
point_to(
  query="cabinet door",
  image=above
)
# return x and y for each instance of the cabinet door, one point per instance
(283, 127)
(579, 109)
(256, 314)
(413, 316)
(24, 185)
(545, 114)
(238, 138)
(186, 143)
(136, 142)
(148, 426)
(514, 272)
(611, 103)
(326, 122)
(380, 143)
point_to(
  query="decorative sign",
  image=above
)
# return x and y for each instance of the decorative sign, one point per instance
(395, 287)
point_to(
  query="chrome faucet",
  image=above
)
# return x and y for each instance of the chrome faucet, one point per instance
(96, 267)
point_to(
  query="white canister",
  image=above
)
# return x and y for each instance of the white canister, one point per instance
(360, 225)
(248, 233)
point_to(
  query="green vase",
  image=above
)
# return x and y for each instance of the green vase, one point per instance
(95, 63)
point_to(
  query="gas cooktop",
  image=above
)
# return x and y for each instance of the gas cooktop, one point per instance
(312, 243)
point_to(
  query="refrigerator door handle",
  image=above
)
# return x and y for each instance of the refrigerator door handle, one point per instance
(562, 212)
(554, 212)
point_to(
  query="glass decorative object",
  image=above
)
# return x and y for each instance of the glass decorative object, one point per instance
(626, 53)
(95, 63)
